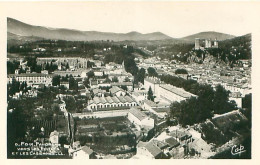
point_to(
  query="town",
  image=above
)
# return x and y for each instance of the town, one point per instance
(118, 100)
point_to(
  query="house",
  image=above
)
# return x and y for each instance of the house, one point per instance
(65, 84)
(149, 150)
(116, 91)
(148, 105)
(129, 85)
(98, 73)
(54, 137)
(237, 97)
(93, 84)
(98, 92)
(181, 136)
(139, 119)
(172, 143)
(83, 153)
(161, 112)
(161, 144)
(138, 97)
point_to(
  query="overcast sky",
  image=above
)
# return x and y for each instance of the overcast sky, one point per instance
(175, 19)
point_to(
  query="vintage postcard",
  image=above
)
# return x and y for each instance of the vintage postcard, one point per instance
(128, 80)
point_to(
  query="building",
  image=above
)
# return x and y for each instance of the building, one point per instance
(208, 43)
(171, 93)
(172, 143)
(161, 109)
(237, 97)
(215, 44)
(98, 92)
(154, 83)
(139, 96)
(111, 103)
(197, 43)
(129, 85)
(181, 136)
(54, 137)
(121, 77)
(31, 78)
(83, 153)
(149, 150)
(148, 105)
(65, 84)
(116, 91)
(72, 62)
(139, 119)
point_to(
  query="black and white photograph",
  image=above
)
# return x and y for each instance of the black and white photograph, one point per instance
(128, 80)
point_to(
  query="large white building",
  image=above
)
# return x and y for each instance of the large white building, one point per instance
(171, 93)
(73, 62)
(111, 103)
(154, 83)
(139, 119)
(31, 78)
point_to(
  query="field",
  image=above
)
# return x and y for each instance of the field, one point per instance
(106, 135)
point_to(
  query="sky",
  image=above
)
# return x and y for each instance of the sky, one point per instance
(176, 19)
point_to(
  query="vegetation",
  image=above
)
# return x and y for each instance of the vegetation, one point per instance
(196, 110)
(152, 72)
(73, 84)
(56, 81)
(150, 94)
(181, 71)
(247, 104)
(12, 66)
(140, 76)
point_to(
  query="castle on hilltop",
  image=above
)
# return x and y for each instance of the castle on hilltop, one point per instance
(207, 43)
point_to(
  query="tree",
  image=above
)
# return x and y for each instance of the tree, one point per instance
(91, 74)
(86, 82)
(140, 76)
(247, 104)
(73, 84)
(150, 94)
(127, 79)
(130, 66)
(67, 66)
(12, 66)
(181, 71)
(70, 104)
(124, 87)
(189, 112)
(90, 64)
(114, 79)
(221, 102)
(152, 72)
(47, 66)
(56, 81)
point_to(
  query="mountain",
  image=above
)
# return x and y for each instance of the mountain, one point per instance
(14, 39)
(208, 35)
(22, 29)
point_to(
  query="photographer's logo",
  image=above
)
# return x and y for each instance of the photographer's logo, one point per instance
(237, 149)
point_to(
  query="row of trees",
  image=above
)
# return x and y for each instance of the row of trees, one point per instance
(16, 86)
(141, 74)
(208, 103)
